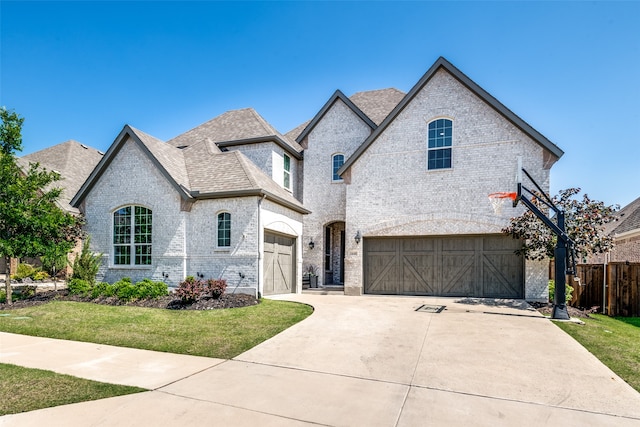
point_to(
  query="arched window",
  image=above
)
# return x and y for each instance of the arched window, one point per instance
(132, 234)
(224, 229)
(439, 146)
(337, 160)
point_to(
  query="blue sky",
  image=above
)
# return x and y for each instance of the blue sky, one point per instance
(82, 70)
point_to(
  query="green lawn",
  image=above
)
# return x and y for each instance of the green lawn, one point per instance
(212, 333)
(24, 389)
(615, 341)
(223, 333)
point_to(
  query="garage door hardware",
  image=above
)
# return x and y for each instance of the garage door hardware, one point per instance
(431, 308)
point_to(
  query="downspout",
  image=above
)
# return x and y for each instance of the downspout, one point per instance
(184, 244)
(260, 237)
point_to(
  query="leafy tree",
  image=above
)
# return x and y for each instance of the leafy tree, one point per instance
(31, 223)
(584, 222)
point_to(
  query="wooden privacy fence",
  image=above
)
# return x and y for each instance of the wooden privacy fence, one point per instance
(620, 294)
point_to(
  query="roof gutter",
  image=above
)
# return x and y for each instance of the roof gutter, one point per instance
(271, 138)
(249, 193)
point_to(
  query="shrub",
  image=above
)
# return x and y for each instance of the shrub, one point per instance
(23, 271)
(79, 287)
(103, 289)
(3, 296)
(216, 287)
(147, 288)
(124, 289)
(190, 289)
(40, 275)
(86, 264)
(552, 292)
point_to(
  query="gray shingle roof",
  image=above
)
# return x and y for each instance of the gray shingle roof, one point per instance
(628, 218)
(233, 127)
(72, 160)
(377, 104)
(199, 171)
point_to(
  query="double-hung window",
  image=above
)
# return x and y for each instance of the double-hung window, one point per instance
(132, 234)
(337, 160)
(287, 172)
(439, 145)
(224, 230)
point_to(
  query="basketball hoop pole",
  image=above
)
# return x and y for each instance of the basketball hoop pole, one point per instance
(563, 244)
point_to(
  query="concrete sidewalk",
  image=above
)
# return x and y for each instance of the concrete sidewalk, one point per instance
(357, 361)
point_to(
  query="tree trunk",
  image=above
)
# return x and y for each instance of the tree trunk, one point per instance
(8, 281)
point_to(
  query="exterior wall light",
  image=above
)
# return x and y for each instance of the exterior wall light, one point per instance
(358, 237)
(311, 244)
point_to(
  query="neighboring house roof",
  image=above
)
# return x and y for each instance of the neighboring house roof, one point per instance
(237, 127)
(72, 160)
(442, 63)
(199, 171)
(627, 219)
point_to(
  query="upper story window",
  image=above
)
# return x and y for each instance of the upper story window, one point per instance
(287, 172)
(337, 160)
(132, 226)
(224, 230)
(439, 147)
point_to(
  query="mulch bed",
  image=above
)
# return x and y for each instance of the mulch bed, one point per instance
(547, 310)
(168, 302)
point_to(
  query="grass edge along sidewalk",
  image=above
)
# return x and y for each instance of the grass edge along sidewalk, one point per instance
(27, 389)
(613, 340)
(222, 333)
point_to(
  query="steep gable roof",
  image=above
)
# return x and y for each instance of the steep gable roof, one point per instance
(236, 127)
(72, 160)
(442, 63)
(199, 171)
(337, 95)
(167, 159)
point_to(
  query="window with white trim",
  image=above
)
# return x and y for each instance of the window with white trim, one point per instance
(132, 235)
(337, 160)
(224, 230)
(287, 172)
(439, 145)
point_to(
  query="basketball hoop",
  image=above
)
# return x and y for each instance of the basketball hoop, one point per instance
(498, 199)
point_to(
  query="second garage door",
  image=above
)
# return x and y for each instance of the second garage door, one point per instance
(475, 266)
(279, 264)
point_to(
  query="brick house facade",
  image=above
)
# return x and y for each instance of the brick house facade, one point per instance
(370, 191)
(625, 230)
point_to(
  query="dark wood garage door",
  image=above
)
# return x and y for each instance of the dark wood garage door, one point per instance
(475, 266)
(279, 264)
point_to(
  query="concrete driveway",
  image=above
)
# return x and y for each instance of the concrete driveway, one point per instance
(357, 361)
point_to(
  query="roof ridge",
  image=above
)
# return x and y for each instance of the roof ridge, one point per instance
(244, 162)
(270, 130)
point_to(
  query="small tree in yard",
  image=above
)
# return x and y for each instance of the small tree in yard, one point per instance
(584, 222)
(31, 224)
(86, 264)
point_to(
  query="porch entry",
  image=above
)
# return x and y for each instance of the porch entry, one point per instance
(334, 248)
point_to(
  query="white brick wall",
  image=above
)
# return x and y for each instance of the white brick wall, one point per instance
(340, 131)
(131, 179)
(270, 158)
(393, 194)
(184, 243)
